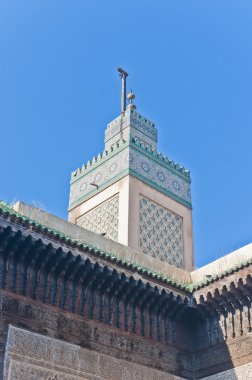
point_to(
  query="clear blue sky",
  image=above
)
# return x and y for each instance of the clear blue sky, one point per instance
(190, 66)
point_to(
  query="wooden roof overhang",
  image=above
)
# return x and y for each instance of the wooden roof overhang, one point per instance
(227, 294)
(43, 269)
(42, 264)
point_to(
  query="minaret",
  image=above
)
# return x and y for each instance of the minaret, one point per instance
(134, 195)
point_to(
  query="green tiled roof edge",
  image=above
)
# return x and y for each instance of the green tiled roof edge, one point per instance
(196, 286)
(188, 287)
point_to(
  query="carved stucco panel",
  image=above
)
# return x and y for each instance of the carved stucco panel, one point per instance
(30, 356)
(103, 219)
(24, 371)
(161, 233)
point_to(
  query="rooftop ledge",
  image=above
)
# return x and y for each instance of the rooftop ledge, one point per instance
(129, 256)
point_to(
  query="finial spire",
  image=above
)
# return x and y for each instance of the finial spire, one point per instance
(123, 75)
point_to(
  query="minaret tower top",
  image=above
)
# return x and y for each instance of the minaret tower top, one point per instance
(133, 194)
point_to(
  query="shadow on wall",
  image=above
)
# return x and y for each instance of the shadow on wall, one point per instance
(220, 341)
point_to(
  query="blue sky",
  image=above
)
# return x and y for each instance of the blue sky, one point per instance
(190, 67)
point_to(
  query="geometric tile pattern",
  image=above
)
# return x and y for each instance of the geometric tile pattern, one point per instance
(103, 219)
(131, 124)
(129, 159)
(129, 133)
(130, 149)
(151, 169)
(143, 124)
(103, 174)
(161, 233)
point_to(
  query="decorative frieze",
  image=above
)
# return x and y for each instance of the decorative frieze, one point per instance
(130, 159)
(131, 123)
(159, 175)
(103, 175)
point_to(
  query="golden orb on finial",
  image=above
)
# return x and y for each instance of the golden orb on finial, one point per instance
(131, 97)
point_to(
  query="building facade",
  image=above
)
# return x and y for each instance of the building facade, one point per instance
(112, 293)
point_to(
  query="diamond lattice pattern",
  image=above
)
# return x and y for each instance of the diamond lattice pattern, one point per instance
(103, 219)
(161, 233)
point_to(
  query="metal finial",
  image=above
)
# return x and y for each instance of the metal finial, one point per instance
(123, 74)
